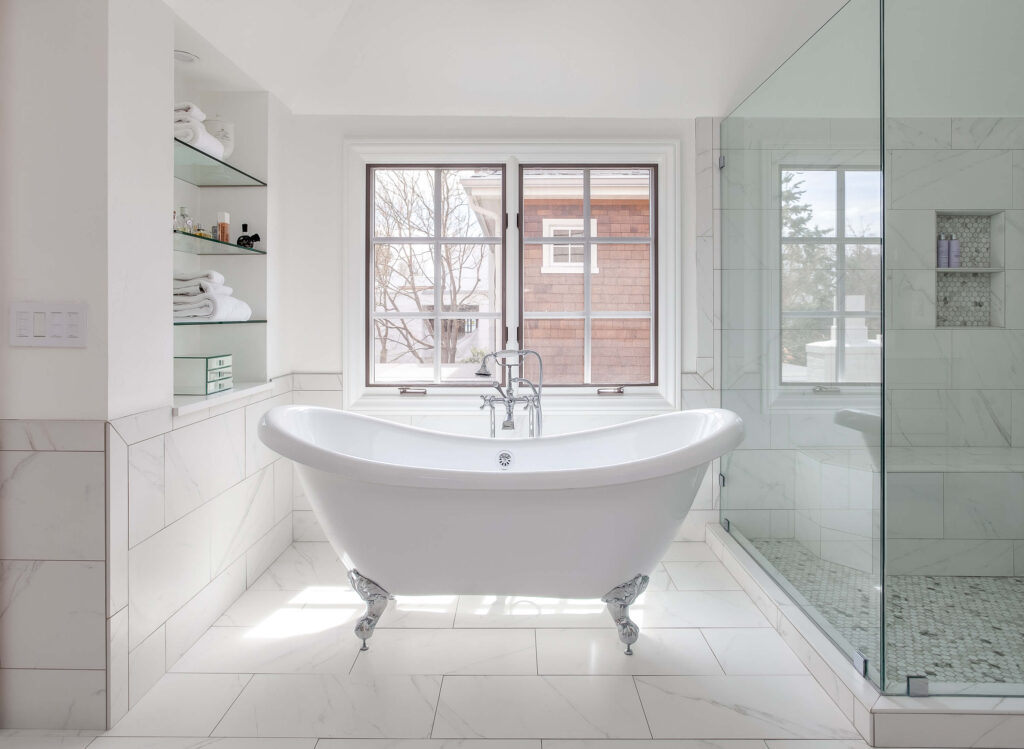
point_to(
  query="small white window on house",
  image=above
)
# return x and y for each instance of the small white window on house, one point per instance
(567, 256)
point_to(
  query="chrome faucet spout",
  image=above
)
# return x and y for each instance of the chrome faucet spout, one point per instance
(513, 362)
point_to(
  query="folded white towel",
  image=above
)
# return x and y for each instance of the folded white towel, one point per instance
(196, 136)
(184, 118)
(213, 308)
(190, 109)
(188, 289)
(200, 275)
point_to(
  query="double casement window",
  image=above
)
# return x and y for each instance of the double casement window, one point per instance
(583, 272)
(830, 293)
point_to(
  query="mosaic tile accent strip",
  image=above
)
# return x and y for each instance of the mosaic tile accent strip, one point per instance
(963, 300)
(951, 629)
(975, 235)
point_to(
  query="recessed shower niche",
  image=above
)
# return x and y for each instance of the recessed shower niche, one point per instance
(971, 296)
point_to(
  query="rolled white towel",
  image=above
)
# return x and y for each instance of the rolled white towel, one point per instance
(190, 109)
(214, 308)
(196, 136)
(211, 276)
(188, 289)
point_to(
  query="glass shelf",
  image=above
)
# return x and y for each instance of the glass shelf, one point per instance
(220, 322)
(202, 170)
(196, 245)
(961, 269)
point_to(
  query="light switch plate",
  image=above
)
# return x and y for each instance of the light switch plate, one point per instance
(49, 324)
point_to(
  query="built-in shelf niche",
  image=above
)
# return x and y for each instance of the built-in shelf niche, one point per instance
(971, 296)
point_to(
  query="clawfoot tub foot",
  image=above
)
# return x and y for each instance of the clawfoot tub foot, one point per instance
(376, 599)
(619, 600)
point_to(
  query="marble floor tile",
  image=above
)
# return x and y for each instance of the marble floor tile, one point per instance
(429, 744)
(255, 606)
(15, 738)
(164, 742)
(659, 744)
(803, 744)
(696, 608)
(598, 651)
(539, 707)
(779, 707)
(689, 551)
(522, 611)
(182, 705)
(752, 651)
(230, 650)
(333, 706)
(303, 565)
(701, 576)
(448, 651)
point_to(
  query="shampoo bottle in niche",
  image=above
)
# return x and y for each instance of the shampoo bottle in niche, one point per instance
(954, 251)
(942, 261)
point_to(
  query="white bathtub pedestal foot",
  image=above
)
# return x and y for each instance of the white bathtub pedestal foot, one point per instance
(376, 599)
(619, 600)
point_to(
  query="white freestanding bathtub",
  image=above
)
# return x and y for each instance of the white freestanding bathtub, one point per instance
(417, 512)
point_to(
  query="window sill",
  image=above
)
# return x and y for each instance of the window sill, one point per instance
(641, 402)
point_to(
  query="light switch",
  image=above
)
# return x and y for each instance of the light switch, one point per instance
(38, 324)
(59, 324)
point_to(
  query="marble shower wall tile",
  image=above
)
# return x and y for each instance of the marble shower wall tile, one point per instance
(983, 505)
(146, 489)
(988, 132)
(919, 132)
(948, 557)
(117, 522)
(914, 505)
(239, 517)
(74, 698)
(62, 436)
(202, 460)
(258, 455)
(52, 505)
(761, 479)
(991, 359)
(912, 299)
(951, 179)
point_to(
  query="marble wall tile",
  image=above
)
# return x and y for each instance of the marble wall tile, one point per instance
(317, 381)
(854, 132)
(978, 418)
(752, 239)
(757, 425)
(1017, 420)
(775, 132)
(1014, 303)
(705, 302)
(239, 517)
(201, 461)
(324, 398)
(74, 698)
(746, 183)
(983, 505)
(1018, 558)
(948, 557)
(693, 525)
(704, 184)
(65, 436)
(144, 425)
(988, 132)
(848, 549)
(166, 570)
(284, 483)
(117, 666)
(258, 455)
(745, 357)
(751, 523)
(918, 132)
(760, 479)
(52, 505)
(990, 359)
(924, 730)
(953, 179)
(918, 359)
(746, 298)
(1014, 249)
(263, 553)
(146, 487)
(117, 521)
(146, 665)
(912, 299)
(914, 505)
(187, 624)
(53, 614)
(306, 527)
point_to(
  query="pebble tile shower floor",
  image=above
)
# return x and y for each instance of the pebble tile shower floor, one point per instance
(282, 670)
(950, 629)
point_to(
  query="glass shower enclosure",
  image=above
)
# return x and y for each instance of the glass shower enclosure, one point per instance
(881, 381)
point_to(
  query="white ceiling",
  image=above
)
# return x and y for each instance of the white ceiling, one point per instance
(528, 58)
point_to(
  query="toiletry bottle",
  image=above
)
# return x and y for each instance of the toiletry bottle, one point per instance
(943, 258)
(185, 220)
(954, 251)
(223, 227)
(245, 239)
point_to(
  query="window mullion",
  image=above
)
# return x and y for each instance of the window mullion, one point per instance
(587, 253)
(840, 275)
(438, 270)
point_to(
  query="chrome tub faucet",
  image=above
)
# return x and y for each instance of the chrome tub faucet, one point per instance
(511, 395)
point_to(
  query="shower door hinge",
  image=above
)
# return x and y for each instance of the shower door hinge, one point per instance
(721, 480)
(917, 686)
(860, 662)
(725, 524)
(721, 161)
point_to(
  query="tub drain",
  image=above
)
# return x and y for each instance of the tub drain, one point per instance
(504, 460)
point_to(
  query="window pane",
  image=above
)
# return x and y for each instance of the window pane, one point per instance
(808, 277)
(863, 350)
(560, 344)
(620, 201)
(620, 351)
(471, 278)
(808, 202)
(548, 287)
(863, 277)
(471, 203)
(620, 278)
(550, 194)
(403, 277)
(864, 204)
(403, 202)
(808, 350)
(403, 350)
(464, 342)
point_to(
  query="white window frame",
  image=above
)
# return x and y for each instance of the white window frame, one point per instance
(548, 263)
(672, 259)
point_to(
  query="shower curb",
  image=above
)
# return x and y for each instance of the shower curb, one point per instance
(882, 720)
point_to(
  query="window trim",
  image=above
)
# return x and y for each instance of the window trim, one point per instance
(677, 311)
(433, 240)
(590, 239)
